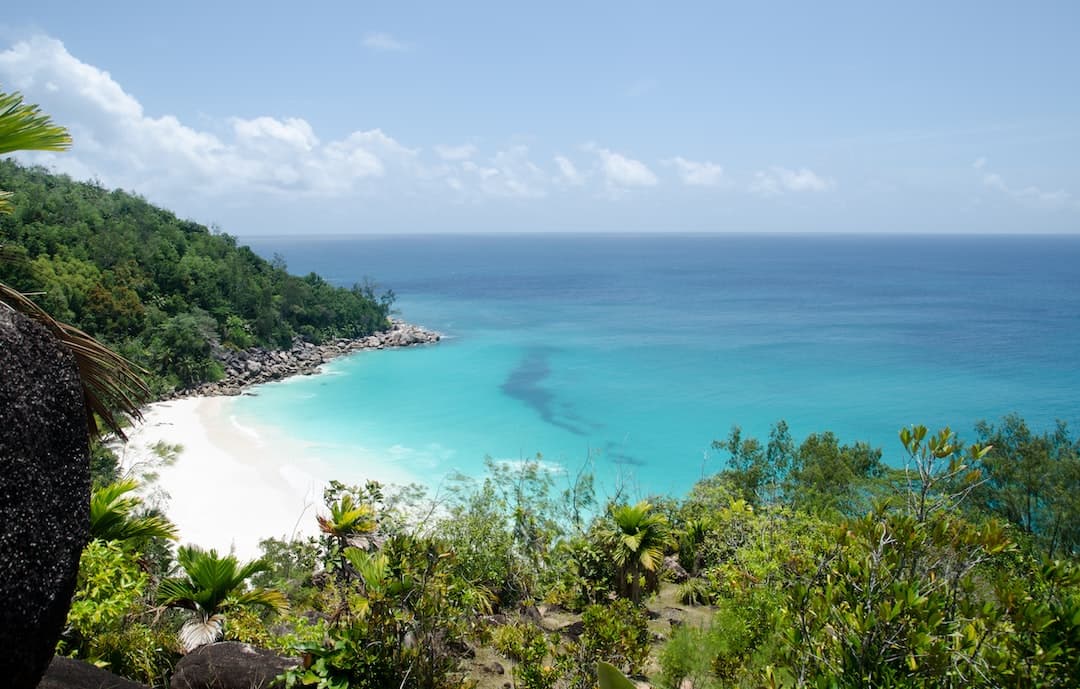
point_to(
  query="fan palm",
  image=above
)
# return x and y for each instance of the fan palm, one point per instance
(211, 587)
(112, 387)
(638, 538)
(113, 515)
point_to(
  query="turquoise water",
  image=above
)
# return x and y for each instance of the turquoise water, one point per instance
(637, 351)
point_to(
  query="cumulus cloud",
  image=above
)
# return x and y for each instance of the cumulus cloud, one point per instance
(568, 172)
(1030, 195)
(697, 173)
(621, 173)
(125, 146)
(509, 174)
(463, 152)
(778, 180)
(384, 43)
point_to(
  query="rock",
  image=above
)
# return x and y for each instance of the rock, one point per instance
(676, 571)
(495, 668)
(229, 665)
(257, 365)
(44, 494)
(68, 673)
(460, 648)
(574, 630)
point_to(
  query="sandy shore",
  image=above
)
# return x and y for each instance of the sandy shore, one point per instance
(228, 486)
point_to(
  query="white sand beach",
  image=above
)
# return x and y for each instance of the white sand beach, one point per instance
(230, 486)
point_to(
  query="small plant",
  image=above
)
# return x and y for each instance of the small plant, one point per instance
(695, 592)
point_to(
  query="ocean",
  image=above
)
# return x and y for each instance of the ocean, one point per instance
(630, 354)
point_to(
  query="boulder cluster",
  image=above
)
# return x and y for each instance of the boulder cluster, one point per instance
(258, 365)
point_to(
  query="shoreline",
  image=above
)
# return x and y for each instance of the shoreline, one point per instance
(255, 366)
(229, 485)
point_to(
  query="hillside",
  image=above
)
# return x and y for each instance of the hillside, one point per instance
(165, 292)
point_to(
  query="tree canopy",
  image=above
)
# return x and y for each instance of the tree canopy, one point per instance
(163, 291)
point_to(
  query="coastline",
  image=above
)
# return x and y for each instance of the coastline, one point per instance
(229, 485)
(255, 366)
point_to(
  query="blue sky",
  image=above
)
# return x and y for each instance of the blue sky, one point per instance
(323, 118)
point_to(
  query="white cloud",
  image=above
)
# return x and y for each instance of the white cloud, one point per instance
(293, 132)
(1030, 196)
(124, 146)
(507, 174)
(778, 180)
(463, 152)
(568, 172)
(698, 173)
(384, 43)
(621, 172)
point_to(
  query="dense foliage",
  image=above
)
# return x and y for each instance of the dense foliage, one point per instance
(164, 292)
(810, 564)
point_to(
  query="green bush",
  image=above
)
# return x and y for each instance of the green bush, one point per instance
(109, 622)
(617, 633)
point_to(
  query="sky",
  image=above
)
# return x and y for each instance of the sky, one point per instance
(404, 117)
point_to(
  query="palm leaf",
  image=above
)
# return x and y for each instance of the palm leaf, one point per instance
(609, 677)
(24, 127)
(112, 515)
(199, 631)
(112, 386)
(267, 598)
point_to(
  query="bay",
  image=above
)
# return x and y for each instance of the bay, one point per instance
(634, 352)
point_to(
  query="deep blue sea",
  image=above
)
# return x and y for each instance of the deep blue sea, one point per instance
(635, 352)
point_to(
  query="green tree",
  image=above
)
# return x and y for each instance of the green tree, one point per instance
(111, 386)
(210, 588)
(826, 475)
(1033, 480)
(637, 538)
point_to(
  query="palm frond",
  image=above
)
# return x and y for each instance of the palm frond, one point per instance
(112, 386)
(177, 592)
(23, 127)
(113, 518)
(267, 598)
(199, 631)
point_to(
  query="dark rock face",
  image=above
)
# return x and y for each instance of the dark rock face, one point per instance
(68, 673)
(44, 494)
(229, 665)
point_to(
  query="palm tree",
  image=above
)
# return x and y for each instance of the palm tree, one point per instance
(351, 524)
(112, 387)
(637, 537)
(211, 587)
(113, 515)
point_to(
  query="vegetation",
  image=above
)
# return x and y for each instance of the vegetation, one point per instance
(212, 586)
(112, 388)
(921, 575)
(164, 292)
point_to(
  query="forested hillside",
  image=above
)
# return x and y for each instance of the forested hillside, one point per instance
(163, 291)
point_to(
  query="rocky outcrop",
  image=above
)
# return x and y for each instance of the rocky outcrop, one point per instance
(675, 571)
(258, 365)
(229, 665)
(44, 494)
(68, 673)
